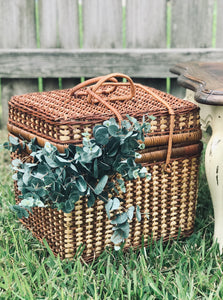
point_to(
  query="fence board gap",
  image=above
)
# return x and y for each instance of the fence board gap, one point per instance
(68, 83)
(176, 89)
(157, 83)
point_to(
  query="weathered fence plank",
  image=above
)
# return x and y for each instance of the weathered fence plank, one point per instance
(146, 24)
(59, 28)
(191, 23)
(191, 27)
(102, 24)
(17, 30)
(142, 32)
(219, 29)
(47, 12)
(141, 63)
(68, 32)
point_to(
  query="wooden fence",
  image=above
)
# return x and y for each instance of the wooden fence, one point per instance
(43, 40)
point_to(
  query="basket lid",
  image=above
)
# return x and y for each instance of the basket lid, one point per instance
(62, 116)
(73, 105)
(58, 115)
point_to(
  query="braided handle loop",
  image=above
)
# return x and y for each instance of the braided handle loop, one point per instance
(103, 80)
(90, 82)
(94, 97)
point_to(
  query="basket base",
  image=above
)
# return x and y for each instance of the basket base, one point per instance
(169, 199)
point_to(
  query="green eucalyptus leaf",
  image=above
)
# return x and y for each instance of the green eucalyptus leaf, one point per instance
(43, 169)
(153, 118)
(38, 175)
(74, 196)
(13, 140)
(126, 124)
(15, 176)
(50, 162)
(49, 148)
(7, 146)
(101, 135)
(138, 214)
(28, 202)
(62, 161)
(95, 167)
(124, 228)
(68, 206)
(130, 133)
(96, 127)
(26, 177)
(117, 237)
(117, 161)
(141, 146)
(117, 248)
(131, 162)
(149, 176)
(112, 147)
(132, 119)
(85, 167)
(60, 205)
(16, 162)
(108, 207)
(120, 218)
(40, 192)
(81, 184)
(91, 199)
(113, 130)
(115, 204)
(143, 172)
(72, 149)
(49, 182)
(130, 212)
(73, 167)
(103, 196)
(101, 184)
(20, 211)
(87, 150)
(104, 166)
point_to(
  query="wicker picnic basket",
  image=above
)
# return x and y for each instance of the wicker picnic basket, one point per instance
(171, 155)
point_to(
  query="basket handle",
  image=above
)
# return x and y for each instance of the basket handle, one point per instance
(91, 91)
(109, 77)
(90, 82)
(102, 81)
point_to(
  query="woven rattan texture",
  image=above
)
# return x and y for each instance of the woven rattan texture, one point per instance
(168, 198)
(61, 118)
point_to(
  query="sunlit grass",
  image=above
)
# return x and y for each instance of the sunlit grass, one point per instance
(184, 269)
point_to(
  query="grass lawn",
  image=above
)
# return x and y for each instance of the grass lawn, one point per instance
(185, 269)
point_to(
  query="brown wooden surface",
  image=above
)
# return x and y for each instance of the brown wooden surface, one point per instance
(205, 79)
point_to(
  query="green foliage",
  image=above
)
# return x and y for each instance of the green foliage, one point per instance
(59, 179)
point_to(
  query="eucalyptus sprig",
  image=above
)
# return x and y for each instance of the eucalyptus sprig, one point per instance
(57, 180)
